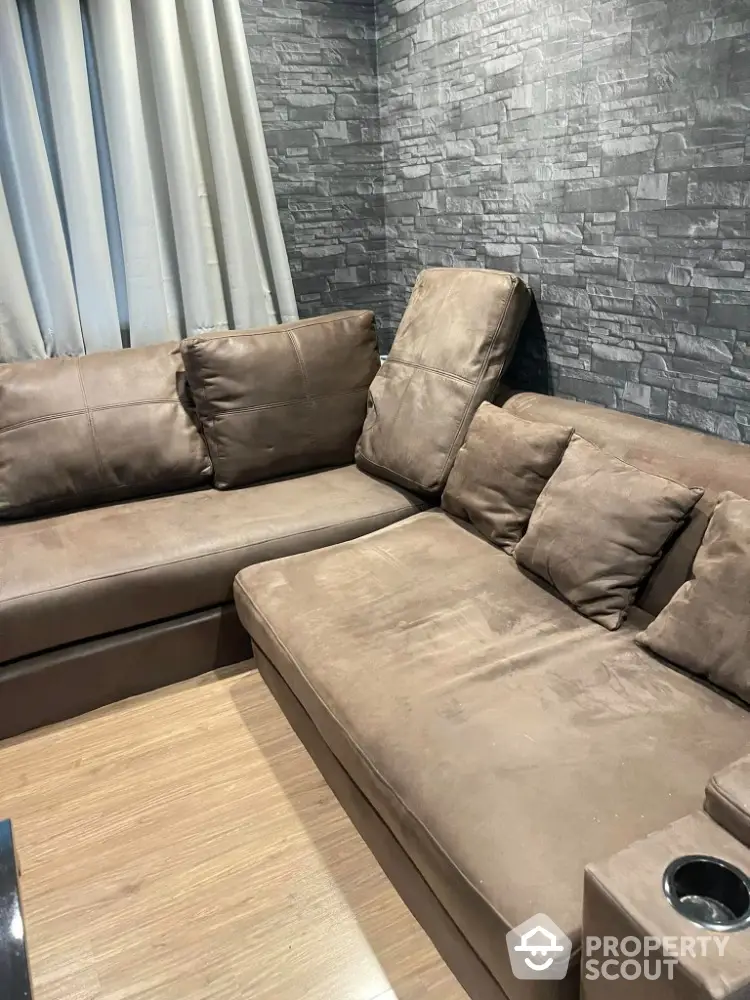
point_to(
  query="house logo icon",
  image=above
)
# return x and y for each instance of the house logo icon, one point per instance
(538, 949)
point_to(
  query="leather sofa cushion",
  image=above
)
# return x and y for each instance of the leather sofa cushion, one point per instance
(705, 628)
(598, 528)
(282, 399)
(455, 339)
(499, 472)
(93, 572)
(474, 709)
(684, 455)
(75, 432)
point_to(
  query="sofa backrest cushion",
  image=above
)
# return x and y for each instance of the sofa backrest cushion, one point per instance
(500, 470)
(705, 628)
(684, 455)
(283, 399)
(77, 432)
(455, 339)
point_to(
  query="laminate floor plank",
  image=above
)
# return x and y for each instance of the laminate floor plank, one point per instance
(182, 846)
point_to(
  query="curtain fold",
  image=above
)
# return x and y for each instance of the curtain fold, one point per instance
(61, 36)
(136, 202)
(26, 178)
(241, 89)
(150, 278)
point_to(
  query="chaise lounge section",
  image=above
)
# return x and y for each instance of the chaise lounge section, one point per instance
(489, 740)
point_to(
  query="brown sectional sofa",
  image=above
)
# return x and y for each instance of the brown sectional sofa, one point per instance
(118, 597)
(502, 754)
(118, 552)
(492, 744)
(504, 740)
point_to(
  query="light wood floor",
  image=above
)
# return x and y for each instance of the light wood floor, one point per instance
(182, 846)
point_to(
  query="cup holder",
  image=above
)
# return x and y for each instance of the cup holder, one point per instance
(709, 892)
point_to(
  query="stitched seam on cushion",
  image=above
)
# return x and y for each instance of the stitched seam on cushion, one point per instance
(91, 409)
(311, 407)
(94, 441)
(131, 402)
(418, 284)
(303, 371)
(205, 555)
(482, 373)
(291, 402)
(44, 419)
(366, 758)
(427, 368)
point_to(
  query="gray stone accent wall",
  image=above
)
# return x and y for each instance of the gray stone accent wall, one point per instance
(601, 149)
(314, 64)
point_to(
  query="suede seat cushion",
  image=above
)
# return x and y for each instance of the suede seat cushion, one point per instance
(499, 472)
(93, 572)
(705, 628)
(598, 527)
(452, 346)
(474, 709)
(76, 432)
(282, 399)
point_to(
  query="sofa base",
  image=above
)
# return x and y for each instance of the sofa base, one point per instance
(62, 683)
(455, 950)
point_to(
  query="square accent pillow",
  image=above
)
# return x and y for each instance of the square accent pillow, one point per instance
(705, 628)
(282, 399)
(598, 528)
(501, 469)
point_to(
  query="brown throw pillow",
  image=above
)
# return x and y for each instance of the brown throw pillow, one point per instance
(76, 432)
(598, 528)
(500, 471)
(454, 341)
(705, 628)
(282, 399)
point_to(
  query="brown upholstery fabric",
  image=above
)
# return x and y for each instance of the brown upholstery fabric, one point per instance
(728, 799)
(97, 571)
(705, 628)
(597, 529)
(282, 399)
(453, 947)
(75, 432)
(623, 897)
(500, 471)
(62, 683)
(455, 339)
(474, 709)
(683, 455)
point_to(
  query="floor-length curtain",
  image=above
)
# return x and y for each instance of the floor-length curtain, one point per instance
(136, 201)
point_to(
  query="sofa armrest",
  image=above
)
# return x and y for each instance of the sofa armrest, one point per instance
(728, 799)
(637, 946)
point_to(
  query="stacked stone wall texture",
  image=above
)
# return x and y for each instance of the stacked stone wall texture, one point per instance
(314, 64)
(598, 148)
